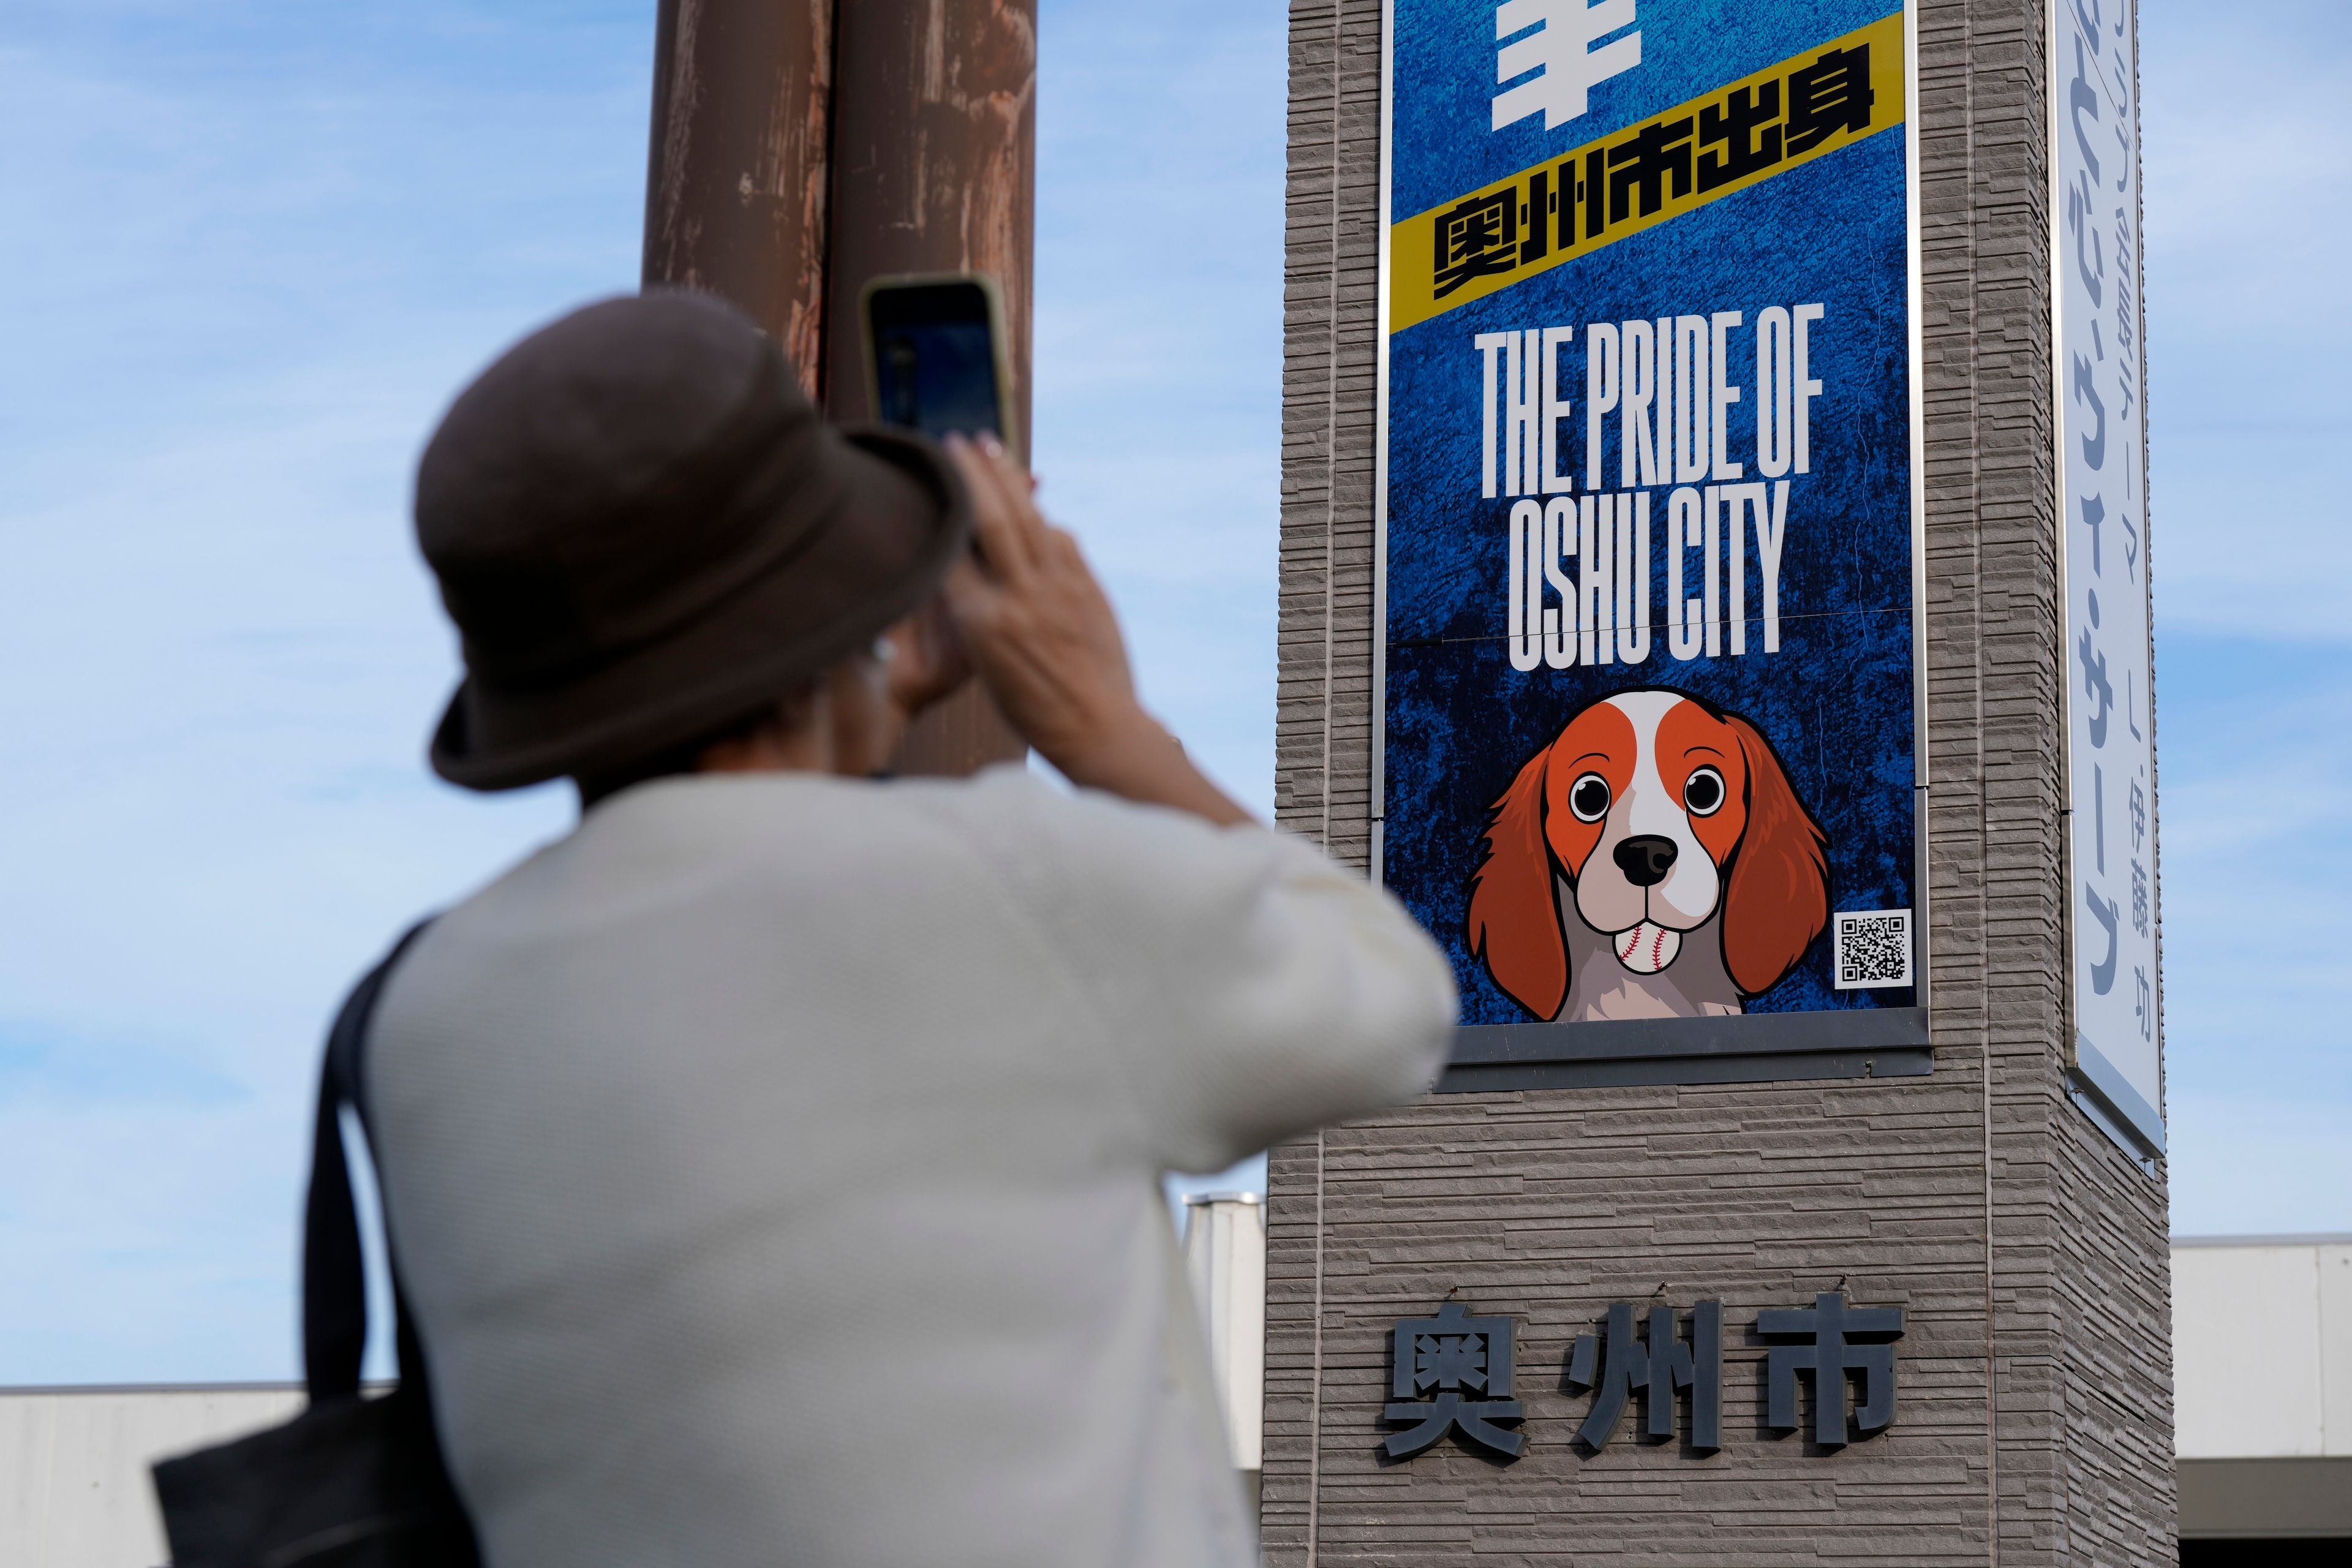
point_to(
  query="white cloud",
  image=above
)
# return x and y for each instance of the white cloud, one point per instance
(276, 237)
(2246, 153)
(264, 265)
(1159, 346)
(275, 241)
(2264, 1165)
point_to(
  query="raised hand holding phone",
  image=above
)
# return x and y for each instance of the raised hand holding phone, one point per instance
(1041, 632)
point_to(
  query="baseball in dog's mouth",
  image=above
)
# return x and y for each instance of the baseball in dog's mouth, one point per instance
(1646, 948)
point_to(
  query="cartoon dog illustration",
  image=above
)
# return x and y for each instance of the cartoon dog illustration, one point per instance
(1651, 862)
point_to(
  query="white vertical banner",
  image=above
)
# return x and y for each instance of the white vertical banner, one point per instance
(2110, 729)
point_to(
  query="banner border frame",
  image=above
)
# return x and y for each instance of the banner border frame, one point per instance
(1923, 893)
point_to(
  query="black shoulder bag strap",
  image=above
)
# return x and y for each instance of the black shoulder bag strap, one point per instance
(334, 1284)
(351, 1482)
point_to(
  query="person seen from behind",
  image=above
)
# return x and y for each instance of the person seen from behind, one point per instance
(773, 1163)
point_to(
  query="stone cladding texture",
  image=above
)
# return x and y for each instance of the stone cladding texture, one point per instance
(2029, 1253)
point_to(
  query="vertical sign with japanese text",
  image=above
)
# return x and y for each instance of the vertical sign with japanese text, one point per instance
(2110, 727)
(1648, 677)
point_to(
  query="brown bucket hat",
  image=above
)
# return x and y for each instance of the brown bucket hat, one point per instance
(644, 531)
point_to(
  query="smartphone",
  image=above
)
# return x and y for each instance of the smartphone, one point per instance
(935, 354)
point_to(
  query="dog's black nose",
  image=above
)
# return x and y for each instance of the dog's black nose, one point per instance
(1646, 859)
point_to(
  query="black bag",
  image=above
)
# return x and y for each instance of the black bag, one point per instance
(351, 1482)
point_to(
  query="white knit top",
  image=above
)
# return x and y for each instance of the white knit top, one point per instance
(773, 1163)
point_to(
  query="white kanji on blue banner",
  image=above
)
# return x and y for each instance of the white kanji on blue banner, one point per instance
(1560, 52)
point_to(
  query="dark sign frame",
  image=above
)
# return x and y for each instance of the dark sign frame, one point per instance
(1849, 1040)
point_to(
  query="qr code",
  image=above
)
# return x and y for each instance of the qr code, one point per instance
(1872, 948)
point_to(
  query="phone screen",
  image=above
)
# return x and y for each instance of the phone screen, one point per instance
(934, 360)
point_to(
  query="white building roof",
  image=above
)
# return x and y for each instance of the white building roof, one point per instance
(2261, 1347)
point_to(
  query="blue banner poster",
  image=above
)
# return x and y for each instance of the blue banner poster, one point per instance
(1649, 679)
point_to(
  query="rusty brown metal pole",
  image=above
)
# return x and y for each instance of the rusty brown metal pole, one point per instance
(737, 184)
(801, 147)
(935, 170)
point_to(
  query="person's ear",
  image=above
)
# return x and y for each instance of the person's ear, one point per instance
(927, 659)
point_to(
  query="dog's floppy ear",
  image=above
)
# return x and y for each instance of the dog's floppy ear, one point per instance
(1514, 925)
(1779, 898)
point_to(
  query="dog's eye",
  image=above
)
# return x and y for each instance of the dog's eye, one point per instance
(1704, 793)
(1588, 798)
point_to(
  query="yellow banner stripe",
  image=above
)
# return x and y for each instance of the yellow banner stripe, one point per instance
(1740, 135)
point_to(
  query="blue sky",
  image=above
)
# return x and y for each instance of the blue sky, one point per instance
(256, 246)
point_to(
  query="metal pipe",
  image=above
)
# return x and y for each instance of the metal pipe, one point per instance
(736, 184)
(935, 170)
(799, 149)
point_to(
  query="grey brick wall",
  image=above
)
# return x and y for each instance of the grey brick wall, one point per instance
(2029, 1253)
(1329, 371)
